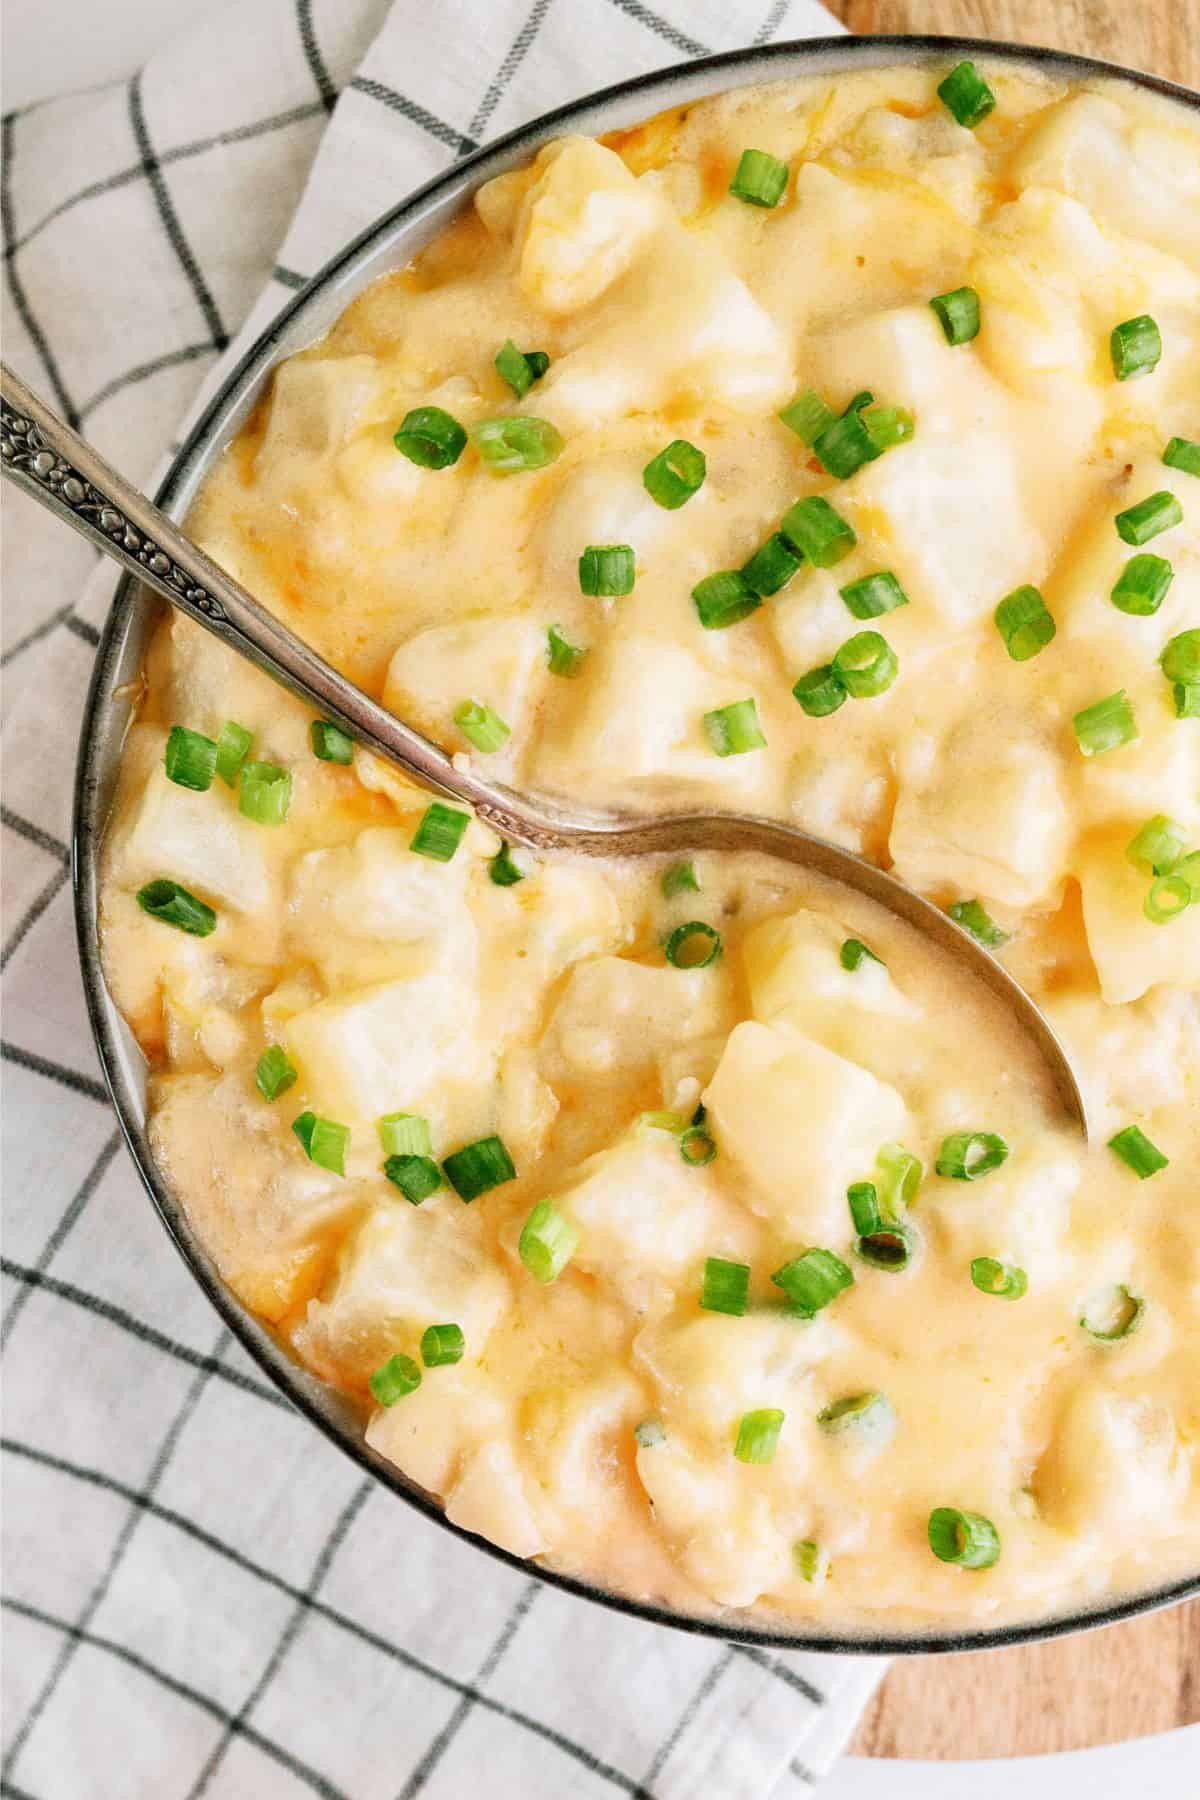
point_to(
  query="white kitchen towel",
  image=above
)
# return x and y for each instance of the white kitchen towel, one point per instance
(202, 1595)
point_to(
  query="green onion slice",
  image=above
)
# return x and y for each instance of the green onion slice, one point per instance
(1180, 660)
(265, 792)
(967, 95)
(440, 832)
(325, 1142)
(190, 759)
(969, 1155)
(726, 1286)
(548, 1242)
(808, 416)
(416, 1176)
(965, 1538)
(329, 742)
(481, 726)
(478, 1167)
(1158, 846)
(564, 657)
(771, 567)
(1169, 896)
(1106, 725)
(900, 1177)
(845, 446)
(811, 1280)
(1112, 1313)
(173, 905)
(888, 426)
(1004, 1280)
(873, 595)
(504, 870)
(430, 438)
(1181, 453)
(958, 314)
(868, 1418)
(976, 919)
(606, 569)
(723, 599)
(274, 1072)
(820, 692)
(442, 1345)
(732, 730)
(650, 1433)
(812, 1563)
(692, 946)
(233, 747)
(675, 474)
(398, 1376)
(854, 952)
(520, 368)
(1141, 587)
(760, 179)
(1135, 346)
(405, 1134)
(889, 1247)
(1158, 512)
(697, 1147)
(1186, 696)
(820, 533)
(1189, 870)
(680, 878)
(1137, 1152)
(863, 1200)
(674, 1122)
(1024, 622)
(866, 665)
(758, 1435)
(517, 444)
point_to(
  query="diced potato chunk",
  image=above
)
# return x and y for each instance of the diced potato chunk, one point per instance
(710, 1368)
(356, 911)
(202, 841)
(796, 978)
(495, 660)
(491, 1498)
(616, 1016)
(729, 1536)
(1114, 1464)
(1131, 953)
(586, 220)
(1019, 1213)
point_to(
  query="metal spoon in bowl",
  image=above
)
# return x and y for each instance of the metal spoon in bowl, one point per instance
(44, 456)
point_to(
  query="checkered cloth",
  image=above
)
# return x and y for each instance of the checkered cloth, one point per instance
(203, 1596)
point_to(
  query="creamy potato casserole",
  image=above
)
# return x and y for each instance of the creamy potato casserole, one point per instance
(826, 450)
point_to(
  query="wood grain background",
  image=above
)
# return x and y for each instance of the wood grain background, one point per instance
(1143, 1676)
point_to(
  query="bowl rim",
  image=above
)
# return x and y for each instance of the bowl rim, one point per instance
(605, 109)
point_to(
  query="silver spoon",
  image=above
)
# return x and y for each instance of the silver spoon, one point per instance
(44, 456)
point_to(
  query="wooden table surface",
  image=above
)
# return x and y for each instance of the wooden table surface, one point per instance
(1143, 1676)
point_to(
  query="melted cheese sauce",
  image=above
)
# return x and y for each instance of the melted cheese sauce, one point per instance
(547, 1013)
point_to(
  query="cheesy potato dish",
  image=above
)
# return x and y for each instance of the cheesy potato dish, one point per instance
(825, 450)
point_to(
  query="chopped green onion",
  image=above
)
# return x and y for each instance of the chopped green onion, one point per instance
(1186, 696)
(274, 1073)
(965, 1538)
(513, 445)
(854, 951)
(548, 1242)
(1189, 870)
(723, 599)
(650, 1433)
(190, 759)
(606, 569)
(440, 832)
(1181, 453)
(844, 447)
(1169, 896)
(481, 726)
(1141, 587)
(265, 793)
(674, 1122)
(697, 1147)
(442, 1345)
(873, 595)
(233, 747)
(818, 531)
(563, 657)
(820, 692)
(958, 314)
(330, 743)
(325, 1142)
(900, 1177)
(758, 1435)
(761, 179)
(976, 919)
(1158, 512)
(504, 869)
(1106, 725)
(866, 665)
(771, 567)
(405, 1134)
(812, 1280)
(1158, 846)
(808, 416)
(733, 729)
(812, 1563)
(1025, 623)
(863, 398)
(675, 474)
(863, 1200)
(1112, 1313)
(173, 905)
(1180, 661)
(478, 1167)
(520, 368)
(890, 1248)
(430, 438)
(416, 1176)
(1137, 1152)
(1136, 347)
(692, 946)
(680, 878)
(888, 426)
(867, 1417)
(967, 95)
(726, 1286)
(398, 1376)
(968, 1155)
(1002, 1279)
